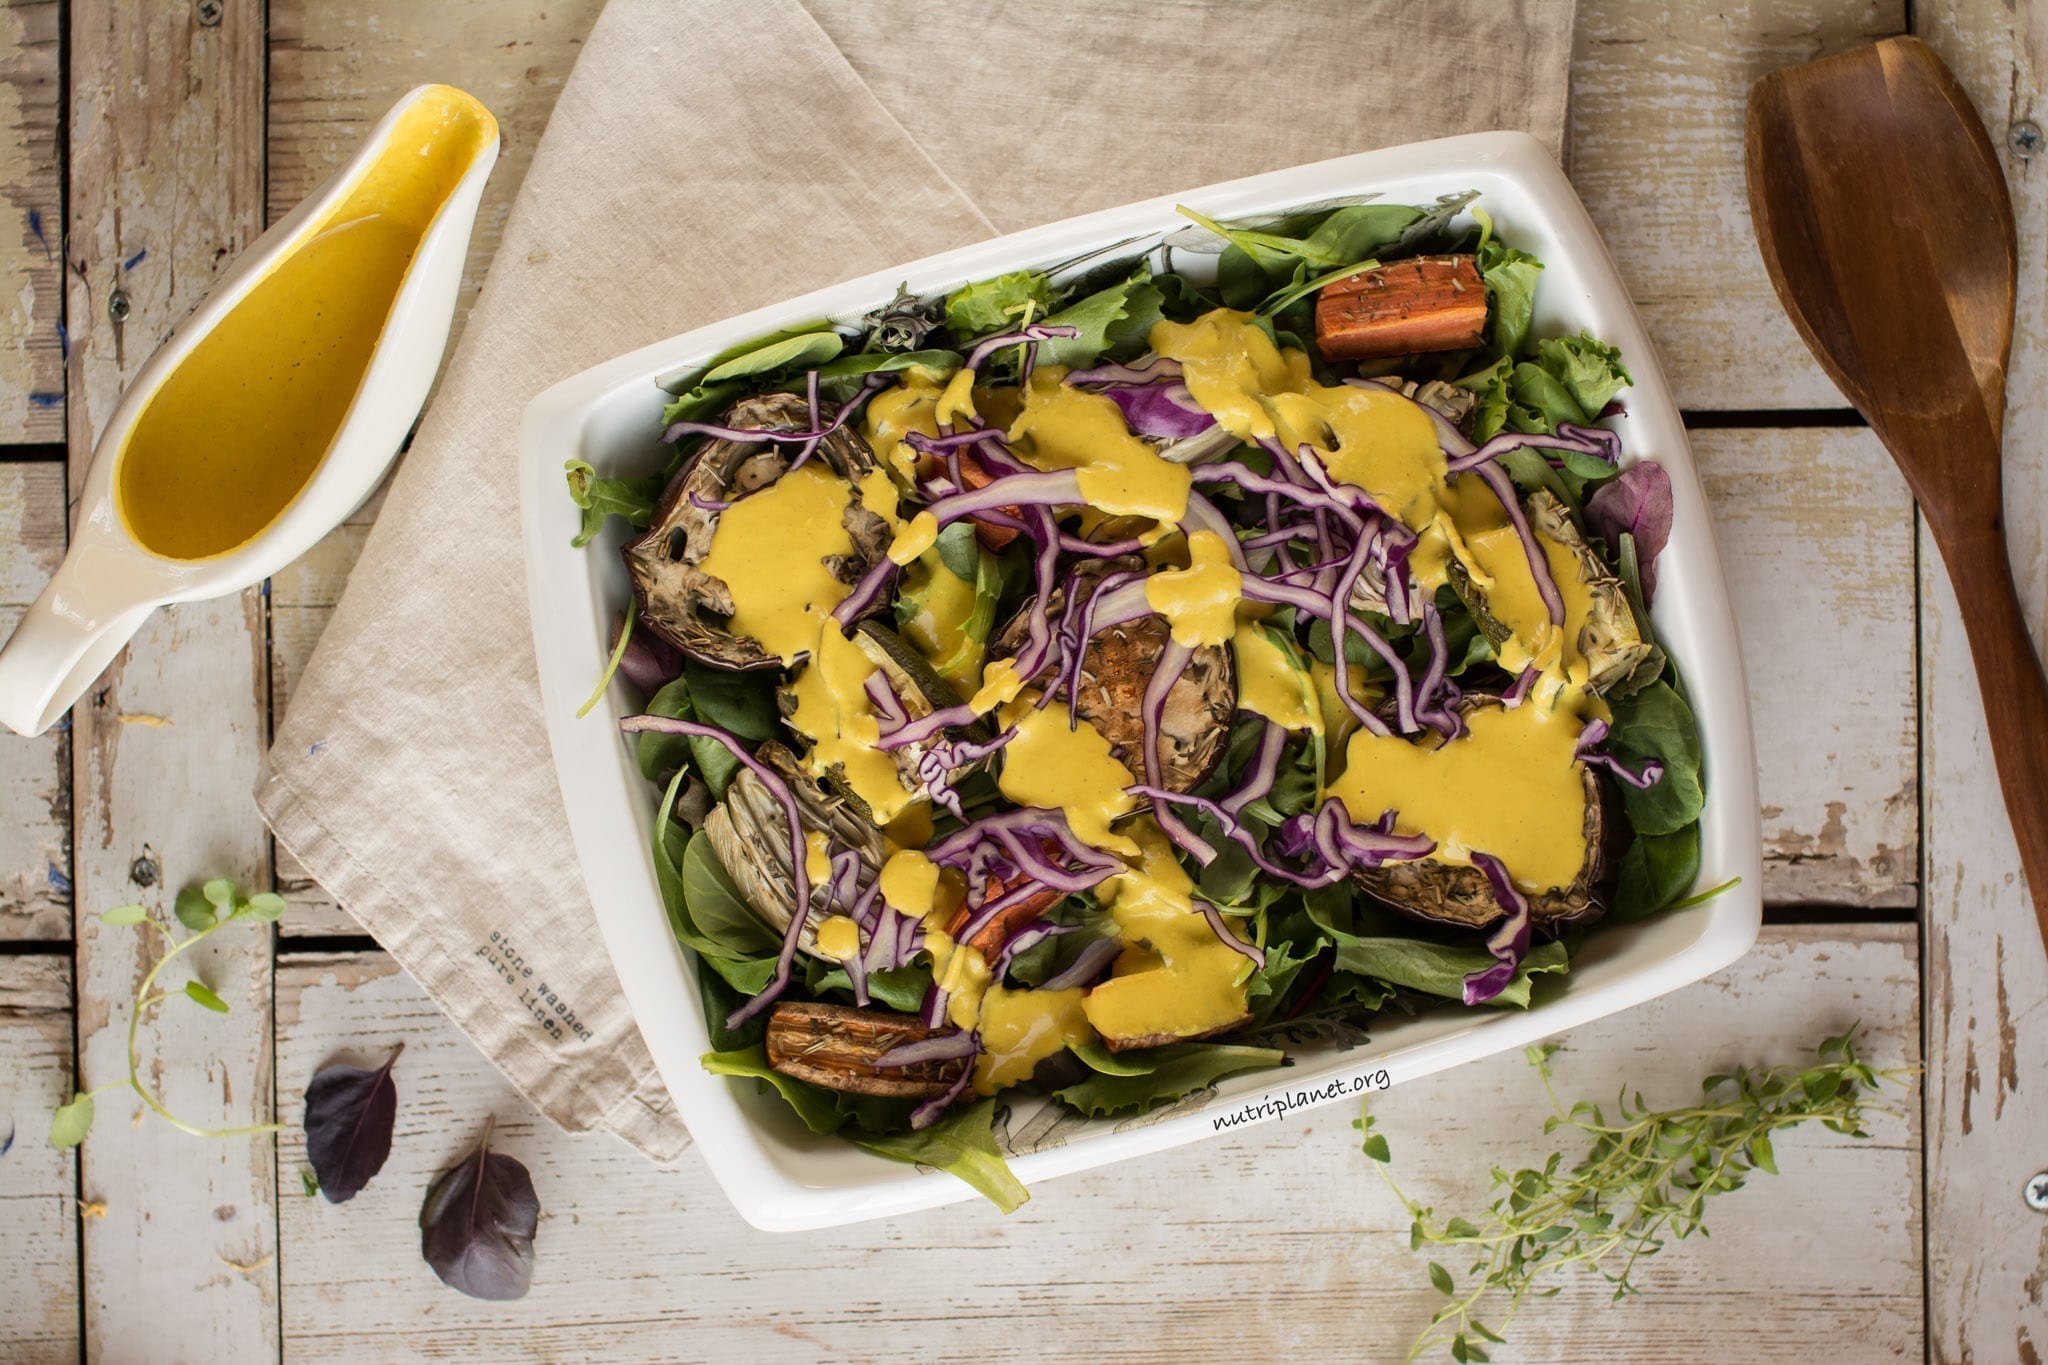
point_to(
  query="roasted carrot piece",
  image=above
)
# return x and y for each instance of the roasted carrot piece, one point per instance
(975, 476)
(990, 938)
(1430, 303)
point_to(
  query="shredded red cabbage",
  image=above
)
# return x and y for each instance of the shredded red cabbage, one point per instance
(1509, 942)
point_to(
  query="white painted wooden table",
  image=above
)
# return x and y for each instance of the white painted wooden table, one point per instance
(181, 126)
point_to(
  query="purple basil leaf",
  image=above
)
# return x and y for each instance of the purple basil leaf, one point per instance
(349, 1112)
(1639, 502)
(649, 662)
(477, 1226)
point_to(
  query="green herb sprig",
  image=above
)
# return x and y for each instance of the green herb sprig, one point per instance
(205, 910)
(1645, 1179)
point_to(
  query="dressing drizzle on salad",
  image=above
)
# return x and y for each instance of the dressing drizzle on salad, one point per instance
(1287, 648)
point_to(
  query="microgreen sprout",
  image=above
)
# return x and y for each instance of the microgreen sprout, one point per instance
(205, 910)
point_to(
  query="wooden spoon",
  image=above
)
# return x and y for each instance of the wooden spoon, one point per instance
(1885, 223)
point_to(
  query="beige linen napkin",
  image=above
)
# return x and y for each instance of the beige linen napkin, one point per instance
(705, 159)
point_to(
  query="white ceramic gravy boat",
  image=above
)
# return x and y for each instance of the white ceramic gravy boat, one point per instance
(109, 581)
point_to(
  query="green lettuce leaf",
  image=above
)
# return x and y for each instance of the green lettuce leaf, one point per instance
(962, 1144)
(1115, 320)
(1586, 368)
(990, 307)
(602, 497)
(813, 1104)
(1172, 1071)
(1441, 968)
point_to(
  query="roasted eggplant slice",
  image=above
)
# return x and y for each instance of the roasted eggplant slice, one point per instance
(836, 1046)
(750, 834)
(686, 606)
(1117, 667)
(1609, 639)
(1445, 893)
(919, 690)
(1116, 1042)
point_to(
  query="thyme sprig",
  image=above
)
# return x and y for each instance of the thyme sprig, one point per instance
(1645, 1179)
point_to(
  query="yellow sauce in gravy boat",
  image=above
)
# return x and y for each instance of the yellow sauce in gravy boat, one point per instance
(273, 410)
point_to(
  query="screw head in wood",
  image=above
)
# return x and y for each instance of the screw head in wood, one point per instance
(209, 13)
(2025, 139)
(118, 306)
(2037, 1192)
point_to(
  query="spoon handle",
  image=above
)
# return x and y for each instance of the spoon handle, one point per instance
(2015, 695)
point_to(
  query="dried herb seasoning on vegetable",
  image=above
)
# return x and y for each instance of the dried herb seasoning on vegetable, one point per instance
(1078, 681)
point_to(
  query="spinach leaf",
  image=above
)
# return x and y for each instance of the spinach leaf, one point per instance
(703, 403)
(963, 1144)
(1656, 723)
(1441, 968)
(749, 976)
(899, 988)
(718, 912)
(991, 307)
(349, 1115)
(1229, 877)
(741, 703)
(601, 497)
(720, 998)
(836, 380)
(1656, 871)
(786, 355)
(960, 551)
(660, 755)
(1175, 1070)
(1362, 231)
(477, 1225)
(750, 368)
(813, 1104)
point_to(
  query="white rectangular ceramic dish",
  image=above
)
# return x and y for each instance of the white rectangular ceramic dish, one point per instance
(775, 1172)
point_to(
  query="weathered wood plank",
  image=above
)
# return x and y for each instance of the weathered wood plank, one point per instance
(1658, 93)
(31, 225)
(166, 130)
(1816, 534)
(35, 774)
(1987, 980)
(335, 67)
(38, 1183)
(1279, 1235)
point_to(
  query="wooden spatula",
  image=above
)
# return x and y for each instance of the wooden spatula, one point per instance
(1885, 223)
